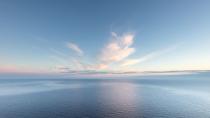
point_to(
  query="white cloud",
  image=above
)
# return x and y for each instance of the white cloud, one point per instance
(114, 57)
(75, 48)
(149, 56)
(129, 62)
(117, 49)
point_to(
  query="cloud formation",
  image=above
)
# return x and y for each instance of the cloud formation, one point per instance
(75, 48)
(149, 56)
(119, 48)
(112, 59)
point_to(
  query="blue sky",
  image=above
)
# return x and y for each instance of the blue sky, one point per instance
(107, 36)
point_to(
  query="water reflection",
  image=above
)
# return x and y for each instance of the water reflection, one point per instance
(120, 99)
(140, 98)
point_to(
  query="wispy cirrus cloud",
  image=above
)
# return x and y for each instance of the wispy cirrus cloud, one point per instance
(152, 55)
(75, 48)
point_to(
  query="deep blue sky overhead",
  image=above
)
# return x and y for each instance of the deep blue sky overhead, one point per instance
(104, 35)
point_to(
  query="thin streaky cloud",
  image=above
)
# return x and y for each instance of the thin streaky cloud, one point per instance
(153, 55)
(75, 48)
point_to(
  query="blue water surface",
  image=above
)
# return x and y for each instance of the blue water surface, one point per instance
(163, 96)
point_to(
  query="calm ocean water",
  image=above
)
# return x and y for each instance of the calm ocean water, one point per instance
(180, 96)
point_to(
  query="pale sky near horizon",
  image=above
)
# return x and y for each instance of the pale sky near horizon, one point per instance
(44, 36)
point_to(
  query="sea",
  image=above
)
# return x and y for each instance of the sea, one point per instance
(149, 96)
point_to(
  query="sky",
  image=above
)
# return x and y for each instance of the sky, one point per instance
(104, 36)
